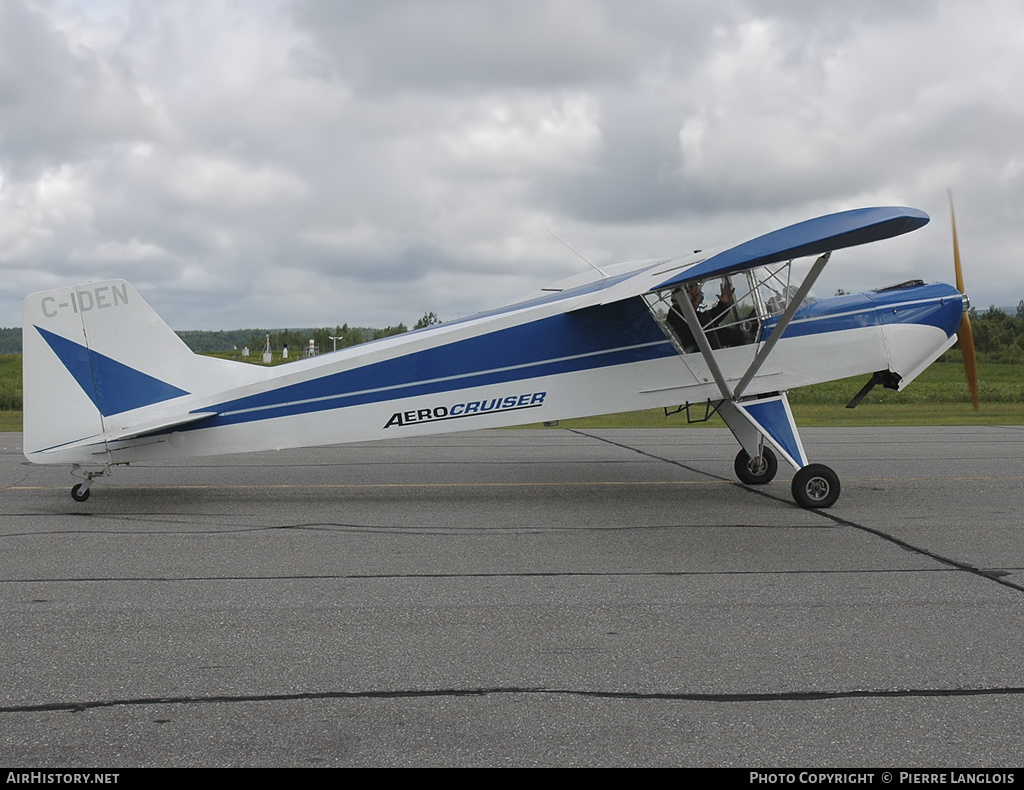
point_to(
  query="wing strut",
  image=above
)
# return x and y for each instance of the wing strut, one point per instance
(764, 416)
(780, 327)
(690, 314)
(767, 418)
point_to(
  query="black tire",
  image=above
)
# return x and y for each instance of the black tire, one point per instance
(78, 494)
(756, 471)
(815, 486)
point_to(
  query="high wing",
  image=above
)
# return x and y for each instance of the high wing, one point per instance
(811, 237)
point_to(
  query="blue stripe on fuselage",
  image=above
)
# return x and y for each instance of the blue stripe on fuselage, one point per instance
(935, 304)
(615, 334)
(619, 333)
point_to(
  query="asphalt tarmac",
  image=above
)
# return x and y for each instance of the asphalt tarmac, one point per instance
(520, 598)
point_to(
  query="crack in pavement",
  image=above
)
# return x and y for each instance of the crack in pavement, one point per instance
(996, 575)
(727, 698)
(482, 575)
(651, 455)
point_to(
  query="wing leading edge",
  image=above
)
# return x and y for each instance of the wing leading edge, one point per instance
(811, 237)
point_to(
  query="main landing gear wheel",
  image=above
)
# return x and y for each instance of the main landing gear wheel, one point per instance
(756, 471)
(815, 486)
(79, 493)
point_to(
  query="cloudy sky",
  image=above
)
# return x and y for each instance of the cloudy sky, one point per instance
(313, 162)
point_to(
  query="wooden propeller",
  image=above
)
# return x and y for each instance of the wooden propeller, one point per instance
(964, 332)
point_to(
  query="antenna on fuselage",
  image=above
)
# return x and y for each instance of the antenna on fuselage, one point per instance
(594, 266)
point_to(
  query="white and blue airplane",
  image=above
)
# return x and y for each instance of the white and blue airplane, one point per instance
(107, 383)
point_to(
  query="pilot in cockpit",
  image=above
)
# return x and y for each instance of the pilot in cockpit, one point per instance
(707, 318)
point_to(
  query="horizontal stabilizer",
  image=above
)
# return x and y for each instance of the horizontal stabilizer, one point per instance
(156, 426)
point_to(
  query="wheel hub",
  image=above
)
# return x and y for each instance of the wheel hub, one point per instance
(817, 488)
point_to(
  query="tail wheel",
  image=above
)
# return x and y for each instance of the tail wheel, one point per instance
(756, 471)
(79, 493)
(815, 486)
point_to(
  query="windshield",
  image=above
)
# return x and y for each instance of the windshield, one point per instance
(725, 306)
(773, 287)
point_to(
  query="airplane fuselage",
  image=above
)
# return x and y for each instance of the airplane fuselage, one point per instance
(540, 361)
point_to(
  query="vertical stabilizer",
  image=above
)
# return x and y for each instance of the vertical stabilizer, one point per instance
(97, 359)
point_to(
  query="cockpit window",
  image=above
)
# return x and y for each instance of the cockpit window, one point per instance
(731, 308)
(774, 288)
(725, 307)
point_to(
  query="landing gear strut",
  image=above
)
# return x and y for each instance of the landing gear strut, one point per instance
(80, 491)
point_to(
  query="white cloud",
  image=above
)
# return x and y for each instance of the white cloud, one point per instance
(520, 135)
(383, 160)
(220, 184)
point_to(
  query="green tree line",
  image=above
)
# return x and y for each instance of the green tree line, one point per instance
(223, 343)
(998, 337)
(208, 342)
(204, 341)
